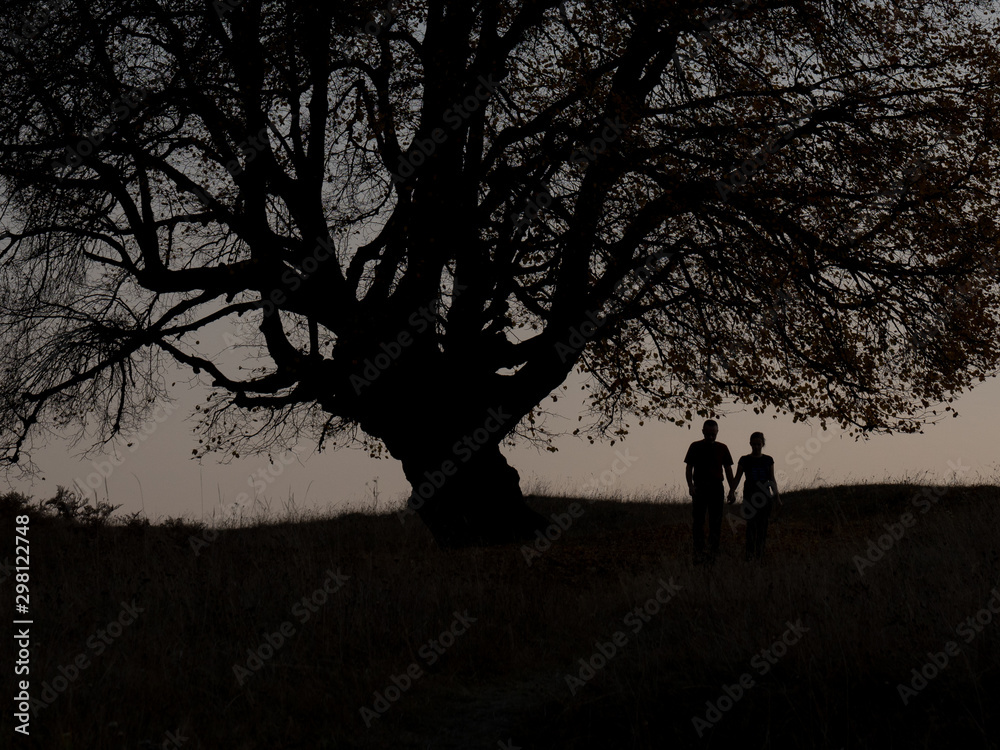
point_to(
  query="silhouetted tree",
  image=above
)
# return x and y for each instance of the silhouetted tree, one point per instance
(417, 218)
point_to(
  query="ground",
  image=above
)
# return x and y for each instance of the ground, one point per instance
(356, 631)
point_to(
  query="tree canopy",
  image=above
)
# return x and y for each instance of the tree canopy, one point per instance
(408, 221)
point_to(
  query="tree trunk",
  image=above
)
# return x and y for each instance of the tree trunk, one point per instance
(470, 502)
(445, 426)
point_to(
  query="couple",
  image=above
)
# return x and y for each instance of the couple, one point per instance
(706, 459)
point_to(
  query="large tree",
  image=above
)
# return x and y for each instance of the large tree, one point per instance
(413, 220)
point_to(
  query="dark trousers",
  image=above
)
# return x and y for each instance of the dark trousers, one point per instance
(707, 501)
(756, 518)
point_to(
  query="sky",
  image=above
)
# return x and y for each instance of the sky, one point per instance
(157, 476)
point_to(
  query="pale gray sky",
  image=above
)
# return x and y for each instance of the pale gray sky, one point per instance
(650, 461)
(160, 477)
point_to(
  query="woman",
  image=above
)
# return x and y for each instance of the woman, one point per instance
(760, 492)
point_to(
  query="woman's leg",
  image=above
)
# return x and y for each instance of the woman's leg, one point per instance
(752, 515)
(763, 515)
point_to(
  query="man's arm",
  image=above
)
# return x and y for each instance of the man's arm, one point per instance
(726, 459)
(689, 475)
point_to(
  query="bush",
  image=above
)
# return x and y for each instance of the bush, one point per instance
(14, 503)
(71, 508)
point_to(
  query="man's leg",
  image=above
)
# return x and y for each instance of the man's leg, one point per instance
(698, 512)
(715, 502)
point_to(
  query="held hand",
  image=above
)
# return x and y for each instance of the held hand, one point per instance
(732, 496)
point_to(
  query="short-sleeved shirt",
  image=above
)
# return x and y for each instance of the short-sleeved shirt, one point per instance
(757, 470)
(707, 459)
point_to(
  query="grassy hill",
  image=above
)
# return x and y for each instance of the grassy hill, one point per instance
(356, 631)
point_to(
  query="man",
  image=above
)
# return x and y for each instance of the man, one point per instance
(706, 459)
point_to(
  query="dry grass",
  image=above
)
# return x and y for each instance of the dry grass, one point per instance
(505, 678)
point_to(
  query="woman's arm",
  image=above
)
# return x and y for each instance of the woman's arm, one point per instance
(736, 482)
(774, 486)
